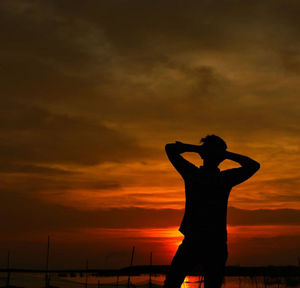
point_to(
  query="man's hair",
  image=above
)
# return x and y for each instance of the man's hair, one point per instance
(214, 142)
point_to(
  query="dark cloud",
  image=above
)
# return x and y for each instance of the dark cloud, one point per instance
(143, 73)
(281, 250)
(34, 135)
(30, 214)
(8, 167)
(282, 190)
(29, 187)
(263, 217)
(188, 24)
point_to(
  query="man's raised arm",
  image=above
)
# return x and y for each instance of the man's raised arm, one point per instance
(238, 175)
(174, 150)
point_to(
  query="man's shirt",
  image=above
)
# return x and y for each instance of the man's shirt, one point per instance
(207, 195)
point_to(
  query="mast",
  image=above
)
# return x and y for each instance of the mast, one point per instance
(131, 262)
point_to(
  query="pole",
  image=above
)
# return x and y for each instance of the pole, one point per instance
(131, 262)
(86, 274)
(150, 280)
(117, 283)
(47, 280)
(8, 269)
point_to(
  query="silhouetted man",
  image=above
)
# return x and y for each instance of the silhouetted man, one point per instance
(204, 223)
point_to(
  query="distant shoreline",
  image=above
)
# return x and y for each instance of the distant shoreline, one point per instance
(162, 269)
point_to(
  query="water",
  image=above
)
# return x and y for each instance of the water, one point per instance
(35, 280)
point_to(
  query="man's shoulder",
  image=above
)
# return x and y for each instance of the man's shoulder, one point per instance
(227, 172)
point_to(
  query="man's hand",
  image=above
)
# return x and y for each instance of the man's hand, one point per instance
(244, 161)
(236, 176)
(183, 166)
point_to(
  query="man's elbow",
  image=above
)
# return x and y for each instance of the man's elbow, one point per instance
(170, 147)
(255, 166)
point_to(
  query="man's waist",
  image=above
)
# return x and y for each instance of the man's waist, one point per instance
(205, 223)
(217, 231)
(210, 229)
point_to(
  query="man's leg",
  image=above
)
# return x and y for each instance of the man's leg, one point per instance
(181, 265)
(213, 277)
(214, 269)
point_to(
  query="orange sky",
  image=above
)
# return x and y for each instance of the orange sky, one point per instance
(91, 93)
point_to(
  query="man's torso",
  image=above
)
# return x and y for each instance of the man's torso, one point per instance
(206, 203)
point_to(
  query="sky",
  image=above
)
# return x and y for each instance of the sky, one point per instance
(91, 91)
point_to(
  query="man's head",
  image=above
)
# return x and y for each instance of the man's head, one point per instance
(213, 149)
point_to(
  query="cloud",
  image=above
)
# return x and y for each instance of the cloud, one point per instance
(31, 214)
(263, 216)
(34, 135)
(185, 69)
(9, 167)
(280, 250)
